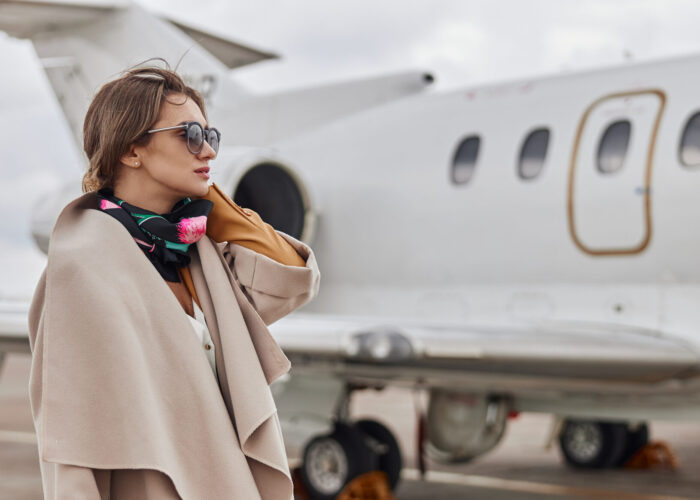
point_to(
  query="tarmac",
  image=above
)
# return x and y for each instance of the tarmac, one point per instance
(519, 468)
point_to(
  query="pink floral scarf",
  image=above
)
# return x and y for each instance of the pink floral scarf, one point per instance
(164, 238)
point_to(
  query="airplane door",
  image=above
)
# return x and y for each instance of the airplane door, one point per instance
(609, 179)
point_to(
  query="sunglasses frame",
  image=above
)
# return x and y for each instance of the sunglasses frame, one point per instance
(205, 135)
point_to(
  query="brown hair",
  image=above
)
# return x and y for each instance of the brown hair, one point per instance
(120, 115)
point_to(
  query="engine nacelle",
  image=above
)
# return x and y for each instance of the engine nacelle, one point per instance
(274, 190)
(461, 425)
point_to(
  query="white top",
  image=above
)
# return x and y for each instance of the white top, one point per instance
(202, 332)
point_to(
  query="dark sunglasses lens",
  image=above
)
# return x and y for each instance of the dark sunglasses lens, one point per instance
(213, 140)
(195, 138)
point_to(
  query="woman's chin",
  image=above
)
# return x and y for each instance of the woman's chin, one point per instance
(201, 190)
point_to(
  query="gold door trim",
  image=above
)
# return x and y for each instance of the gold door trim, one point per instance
(647, 178)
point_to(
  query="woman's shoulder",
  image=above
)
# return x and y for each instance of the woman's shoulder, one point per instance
(82, 231)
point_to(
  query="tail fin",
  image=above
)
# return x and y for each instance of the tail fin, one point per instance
(80, 45)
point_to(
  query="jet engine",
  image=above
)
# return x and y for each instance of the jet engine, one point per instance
(277, 193)
(461, 425)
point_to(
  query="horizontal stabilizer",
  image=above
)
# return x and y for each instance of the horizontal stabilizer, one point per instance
(25, 19)
(229, 52)
(29, 19)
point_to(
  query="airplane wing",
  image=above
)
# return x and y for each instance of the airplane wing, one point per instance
(14, 330)
(535, 357)
(527, 358)
(584, 357)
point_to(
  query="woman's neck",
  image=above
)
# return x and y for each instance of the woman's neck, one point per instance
(146, 196)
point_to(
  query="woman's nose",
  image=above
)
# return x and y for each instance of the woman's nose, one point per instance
(207, 151)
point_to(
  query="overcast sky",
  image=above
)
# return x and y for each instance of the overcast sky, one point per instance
(461, 42)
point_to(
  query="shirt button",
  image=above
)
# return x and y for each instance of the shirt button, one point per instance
(207, 347)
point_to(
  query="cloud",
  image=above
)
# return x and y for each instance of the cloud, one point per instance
(462, 43)
(583, 46)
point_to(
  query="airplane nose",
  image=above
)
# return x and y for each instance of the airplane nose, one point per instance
(46, 210)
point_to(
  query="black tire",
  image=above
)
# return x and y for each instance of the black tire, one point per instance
(389, 461)
(636, 440)
(332, 461)
(592, 445)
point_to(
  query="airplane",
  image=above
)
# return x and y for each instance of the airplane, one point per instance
(525, 246)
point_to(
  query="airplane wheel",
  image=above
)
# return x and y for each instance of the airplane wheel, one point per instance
(389, 454)
(636, 440)
(592, 445)
(332, 461)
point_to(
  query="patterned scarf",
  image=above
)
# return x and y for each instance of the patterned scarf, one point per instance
(164, 238)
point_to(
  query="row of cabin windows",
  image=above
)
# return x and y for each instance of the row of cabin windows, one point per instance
(612, 149)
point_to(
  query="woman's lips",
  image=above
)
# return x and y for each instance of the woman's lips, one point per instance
(204, 172)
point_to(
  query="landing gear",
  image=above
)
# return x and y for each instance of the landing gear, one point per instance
(334, 450)
(333, 460)
(637, 438)
(386, 448)
(589, 444)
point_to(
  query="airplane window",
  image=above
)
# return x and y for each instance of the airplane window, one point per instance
(690, 143)
(613, 146)
(465, 160)
(533, 153)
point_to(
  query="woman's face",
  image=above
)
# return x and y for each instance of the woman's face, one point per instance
(166, 161)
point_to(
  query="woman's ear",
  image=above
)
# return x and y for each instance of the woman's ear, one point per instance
(131, 158)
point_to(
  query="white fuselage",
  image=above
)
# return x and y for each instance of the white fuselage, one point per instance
(396, 237)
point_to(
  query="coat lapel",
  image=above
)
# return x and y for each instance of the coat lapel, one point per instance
(247, 359)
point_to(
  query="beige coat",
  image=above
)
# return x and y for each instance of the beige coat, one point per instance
(123, 398)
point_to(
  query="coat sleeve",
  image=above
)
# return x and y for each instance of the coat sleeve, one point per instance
(228, 222)
(274, 289)
(277, 272)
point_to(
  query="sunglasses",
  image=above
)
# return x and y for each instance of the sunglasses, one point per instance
(196, 135)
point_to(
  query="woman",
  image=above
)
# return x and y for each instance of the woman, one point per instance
(150, 354)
